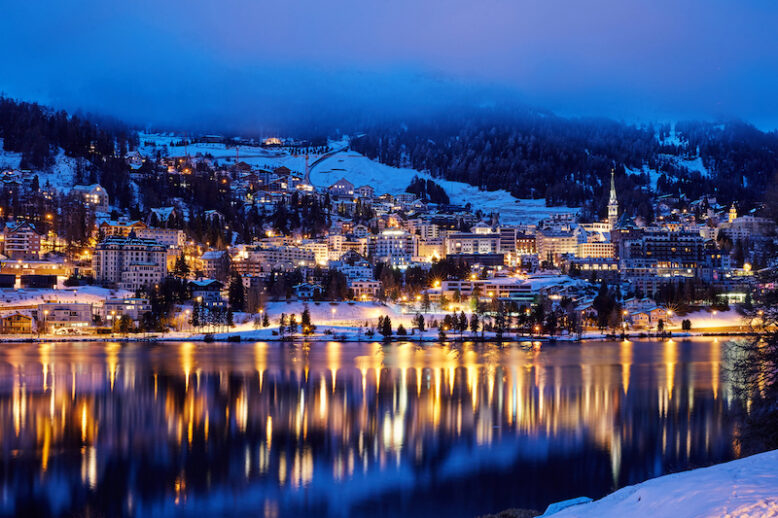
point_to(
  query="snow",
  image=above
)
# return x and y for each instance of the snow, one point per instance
(744, 488)
(653, 174)
(694, 165)
(707, 320)
(257, 156)
(60, 176)
(672, 139)
(344, 314)
(9, 160)
(81, 294)
(361, 170)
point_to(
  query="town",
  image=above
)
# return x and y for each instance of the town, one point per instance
(239, 247)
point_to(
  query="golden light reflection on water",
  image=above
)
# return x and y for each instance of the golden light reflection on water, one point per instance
(330, 412)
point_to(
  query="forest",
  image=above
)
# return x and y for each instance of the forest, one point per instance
(567, 161)
(39, 133)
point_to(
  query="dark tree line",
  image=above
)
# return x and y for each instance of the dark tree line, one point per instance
(568, 161)
(38, 133)
(428, 191)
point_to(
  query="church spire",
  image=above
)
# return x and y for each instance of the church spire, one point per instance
(613, 203)
(613, 187)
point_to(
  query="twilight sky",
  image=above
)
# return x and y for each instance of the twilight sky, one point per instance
(257, 65)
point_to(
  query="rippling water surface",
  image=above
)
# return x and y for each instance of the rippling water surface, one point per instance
(349, 429)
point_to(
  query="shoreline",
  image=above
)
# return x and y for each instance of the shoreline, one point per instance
(744, 487)
(238, 337)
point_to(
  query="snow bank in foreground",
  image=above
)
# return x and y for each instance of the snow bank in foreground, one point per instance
(745, 488)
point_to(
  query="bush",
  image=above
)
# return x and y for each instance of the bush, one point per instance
(233, 338)
(686, 324)
(401, 330)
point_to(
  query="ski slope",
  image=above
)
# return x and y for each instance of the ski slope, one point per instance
(360, 170)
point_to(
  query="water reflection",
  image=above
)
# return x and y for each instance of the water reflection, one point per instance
(349, 429)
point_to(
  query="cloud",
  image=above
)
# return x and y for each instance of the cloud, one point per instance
(254, 64)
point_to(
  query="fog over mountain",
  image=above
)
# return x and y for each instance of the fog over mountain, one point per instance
(243, 66)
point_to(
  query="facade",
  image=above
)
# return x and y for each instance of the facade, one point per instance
(473, 243)
(342, 189)
(257, 259)
(16, 324)
(170, 237)
(553, 244)
(525, 244)
(93, 196)
(216, 264)
(120, 227)
(501, 288)
(365, 191)
(365, 289)
(394, 246)
(208, 293)
(131, 307)
(129, 262)
(53, 316)
(434, 248)
(21, 240)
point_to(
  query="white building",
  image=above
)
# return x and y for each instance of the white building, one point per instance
(394, 246)
(170, 237)
(129, 262)
(132, 307)
(365, 289)
(55, 315)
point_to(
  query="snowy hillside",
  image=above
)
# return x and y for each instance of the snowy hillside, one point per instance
(60, 176)
(256, 156)
(360, 170)
(745, 488)
(9, 160)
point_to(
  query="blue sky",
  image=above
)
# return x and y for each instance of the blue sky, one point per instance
(258, 63)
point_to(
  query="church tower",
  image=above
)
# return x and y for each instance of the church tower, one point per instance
(732, 213)
(613, 204)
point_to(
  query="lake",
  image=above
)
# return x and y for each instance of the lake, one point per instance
(350, 429)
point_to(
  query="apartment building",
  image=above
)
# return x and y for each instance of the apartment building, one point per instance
(129, 262)
(394, 246)
(21, 240)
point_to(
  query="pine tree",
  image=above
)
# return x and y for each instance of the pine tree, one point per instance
(425, 302)
(181, 269)
(475, 325)
(305, 322)
(418, 322)
(292, 325)
(386, 328)
(282, 325)
(237, 293)
(462, 323)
